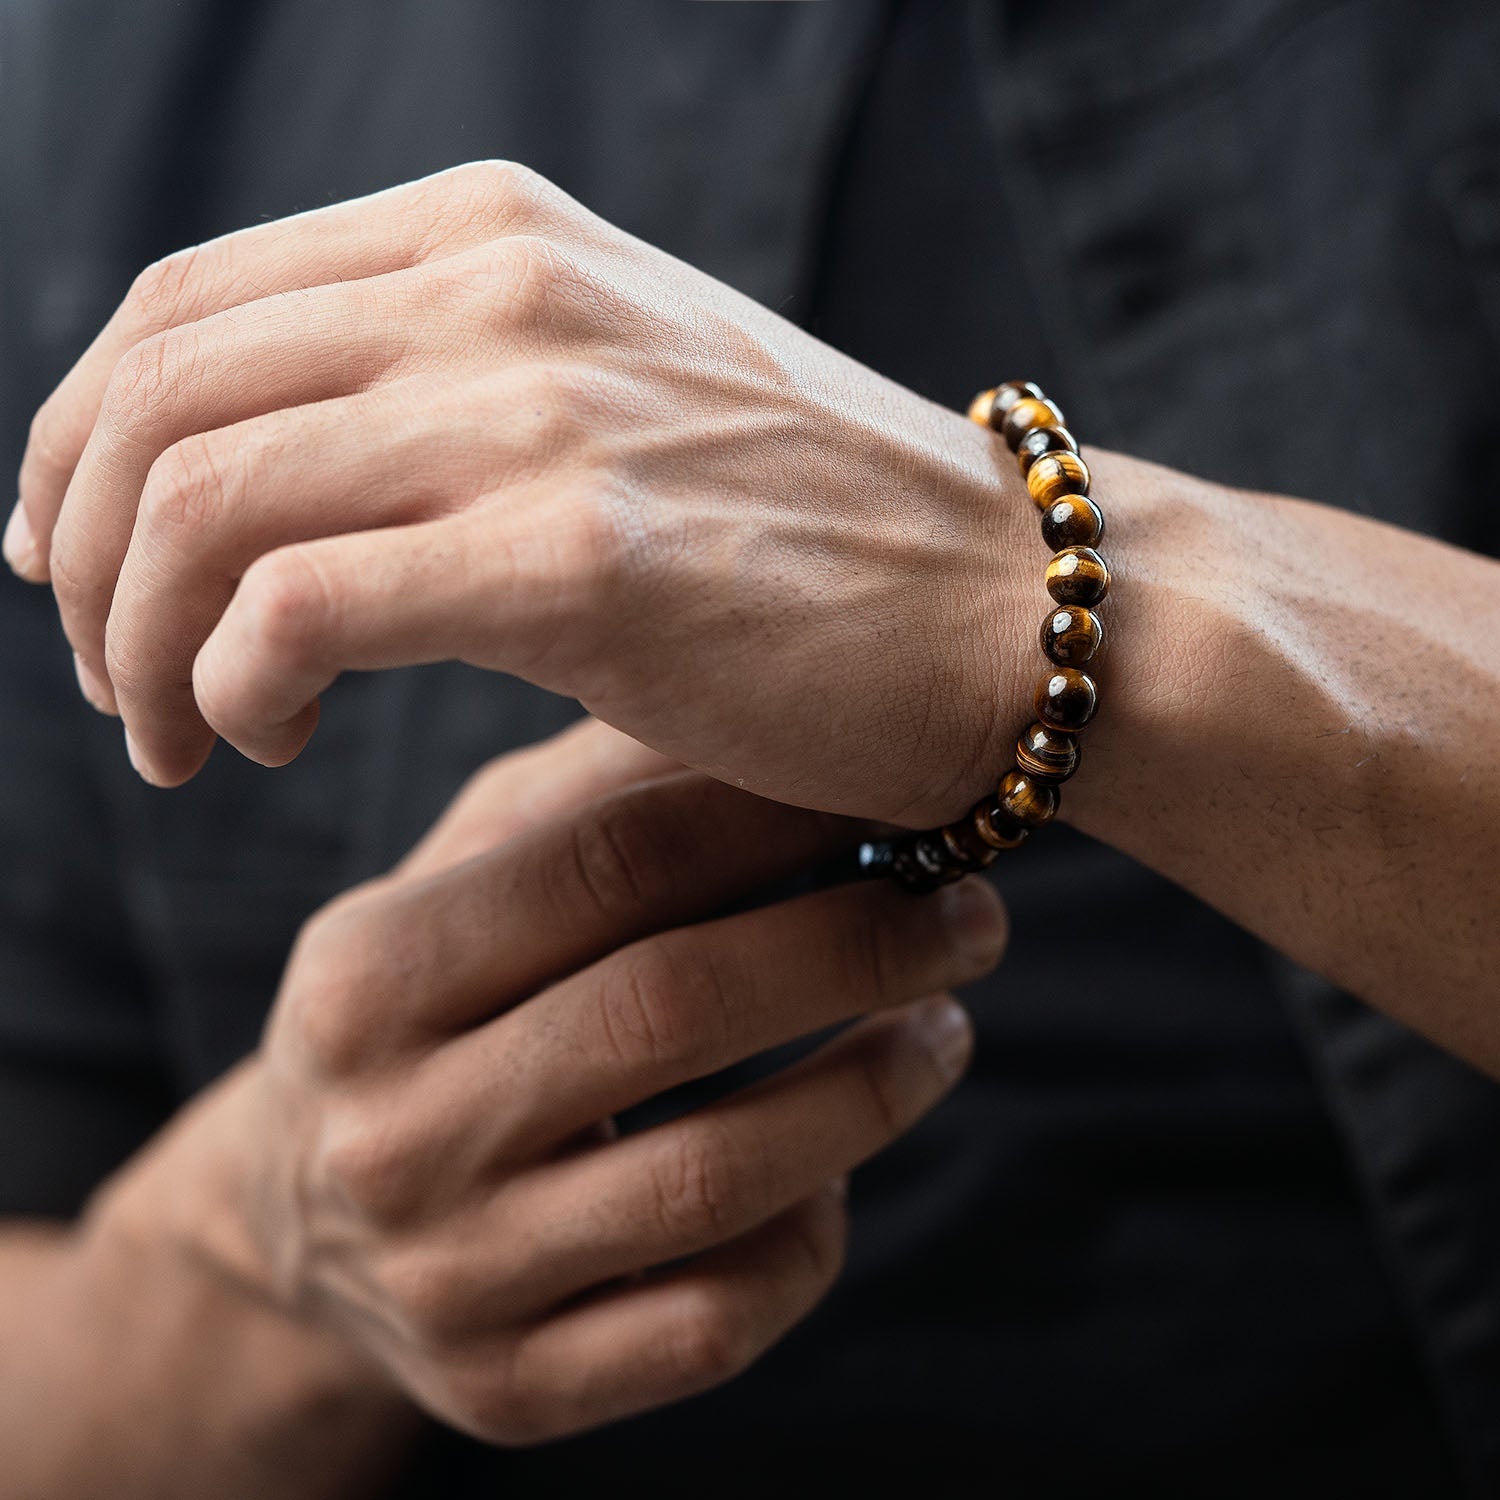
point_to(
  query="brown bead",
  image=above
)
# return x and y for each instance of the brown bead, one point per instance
(998, 831)
(1072, 521)
(922, 862)
(1008, 394)
(1057, 474)
(1078, 575)
(1028, 412)
(1071, 635)
(981, 407)
(1047, 753)
(1043, 440)
(967, 847)
(1066, 699)
(1026, 800)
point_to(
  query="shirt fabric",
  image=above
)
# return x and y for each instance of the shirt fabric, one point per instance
(1195, 1224)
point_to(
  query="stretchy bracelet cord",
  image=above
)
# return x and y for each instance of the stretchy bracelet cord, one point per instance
(1077, 578)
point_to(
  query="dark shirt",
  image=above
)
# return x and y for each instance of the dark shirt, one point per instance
(1195, 1225)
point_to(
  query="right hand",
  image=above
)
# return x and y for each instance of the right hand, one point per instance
(427, 1170)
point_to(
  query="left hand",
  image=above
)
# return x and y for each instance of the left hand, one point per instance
(466, 418)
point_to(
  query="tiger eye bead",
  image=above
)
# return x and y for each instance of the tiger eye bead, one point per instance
(1041, 441)
(982, 407)
(1070, 636)
(1029, 412)
(1008, 394)
(1078, 575)
(1056, 474)
(923, 863)
(1072, 521)
(1026, 800)
(967, 847)
(1046, 753)
(1066, 699)
(998, 831)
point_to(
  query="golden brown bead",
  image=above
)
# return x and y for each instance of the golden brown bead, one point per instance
(1043, 440)
(1047, 753)
(1057, 474)
(1066, 699)
(1026, 800)
(996, 831)
(1072, 521)
(967, 847)
(1077, 575)
(1071, 635)
(981, 407)
(1008, 394)
(1028, 412)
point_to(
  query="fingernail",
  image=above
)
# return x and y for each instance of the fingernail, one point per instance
(138, 761)
(839, 1188)
(19, 544)
(943, 1028)
(91, 687)
(975, 916)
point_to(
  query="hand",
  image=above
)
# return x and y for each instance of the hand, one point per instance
(466, 418)
(420, 1163)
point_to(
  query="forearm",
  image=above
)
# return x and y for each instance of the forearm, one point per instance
(1301, 725)
(132, 1367)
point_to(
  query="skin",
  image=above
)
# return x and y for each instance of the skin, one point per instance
(358, 1225)
(468, 419)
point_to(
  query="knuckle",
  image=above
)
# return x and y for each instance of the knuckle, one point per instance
(79, 591)
(187, 487)
(50, 455)
(704, 1182)
(887, 1106)
(482, 196)
(609, 859)
(362, 1162)
(534, 273)
(593, 551)
(148, 379)
(331, 978)
(431, 1296)
(561, 412)
(659, 1005)
(713, 1338)
(493, 1405)
(321, 1017)
(122, 661)
(872, 956)
(163, 290)
(517, 283)
(499, 180)
(286, 599)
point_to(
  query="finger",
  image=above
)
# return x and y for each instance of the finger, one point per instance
(698, 1181)
(410, 965)
(214, 502)
(689, 1002)
(522, 599)
(286, 351)
(672, 1336)
(388, 231)
(520, 791)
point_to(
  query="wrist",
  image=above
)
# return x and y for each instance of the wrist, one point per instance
(166, 1252)
(985, 644)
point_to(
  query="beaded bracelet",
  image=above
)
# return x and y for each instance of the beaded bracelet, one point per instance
(1077, 578)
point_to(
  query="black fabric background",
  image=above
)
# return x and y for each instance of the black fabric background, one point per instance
(1165, 1240)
